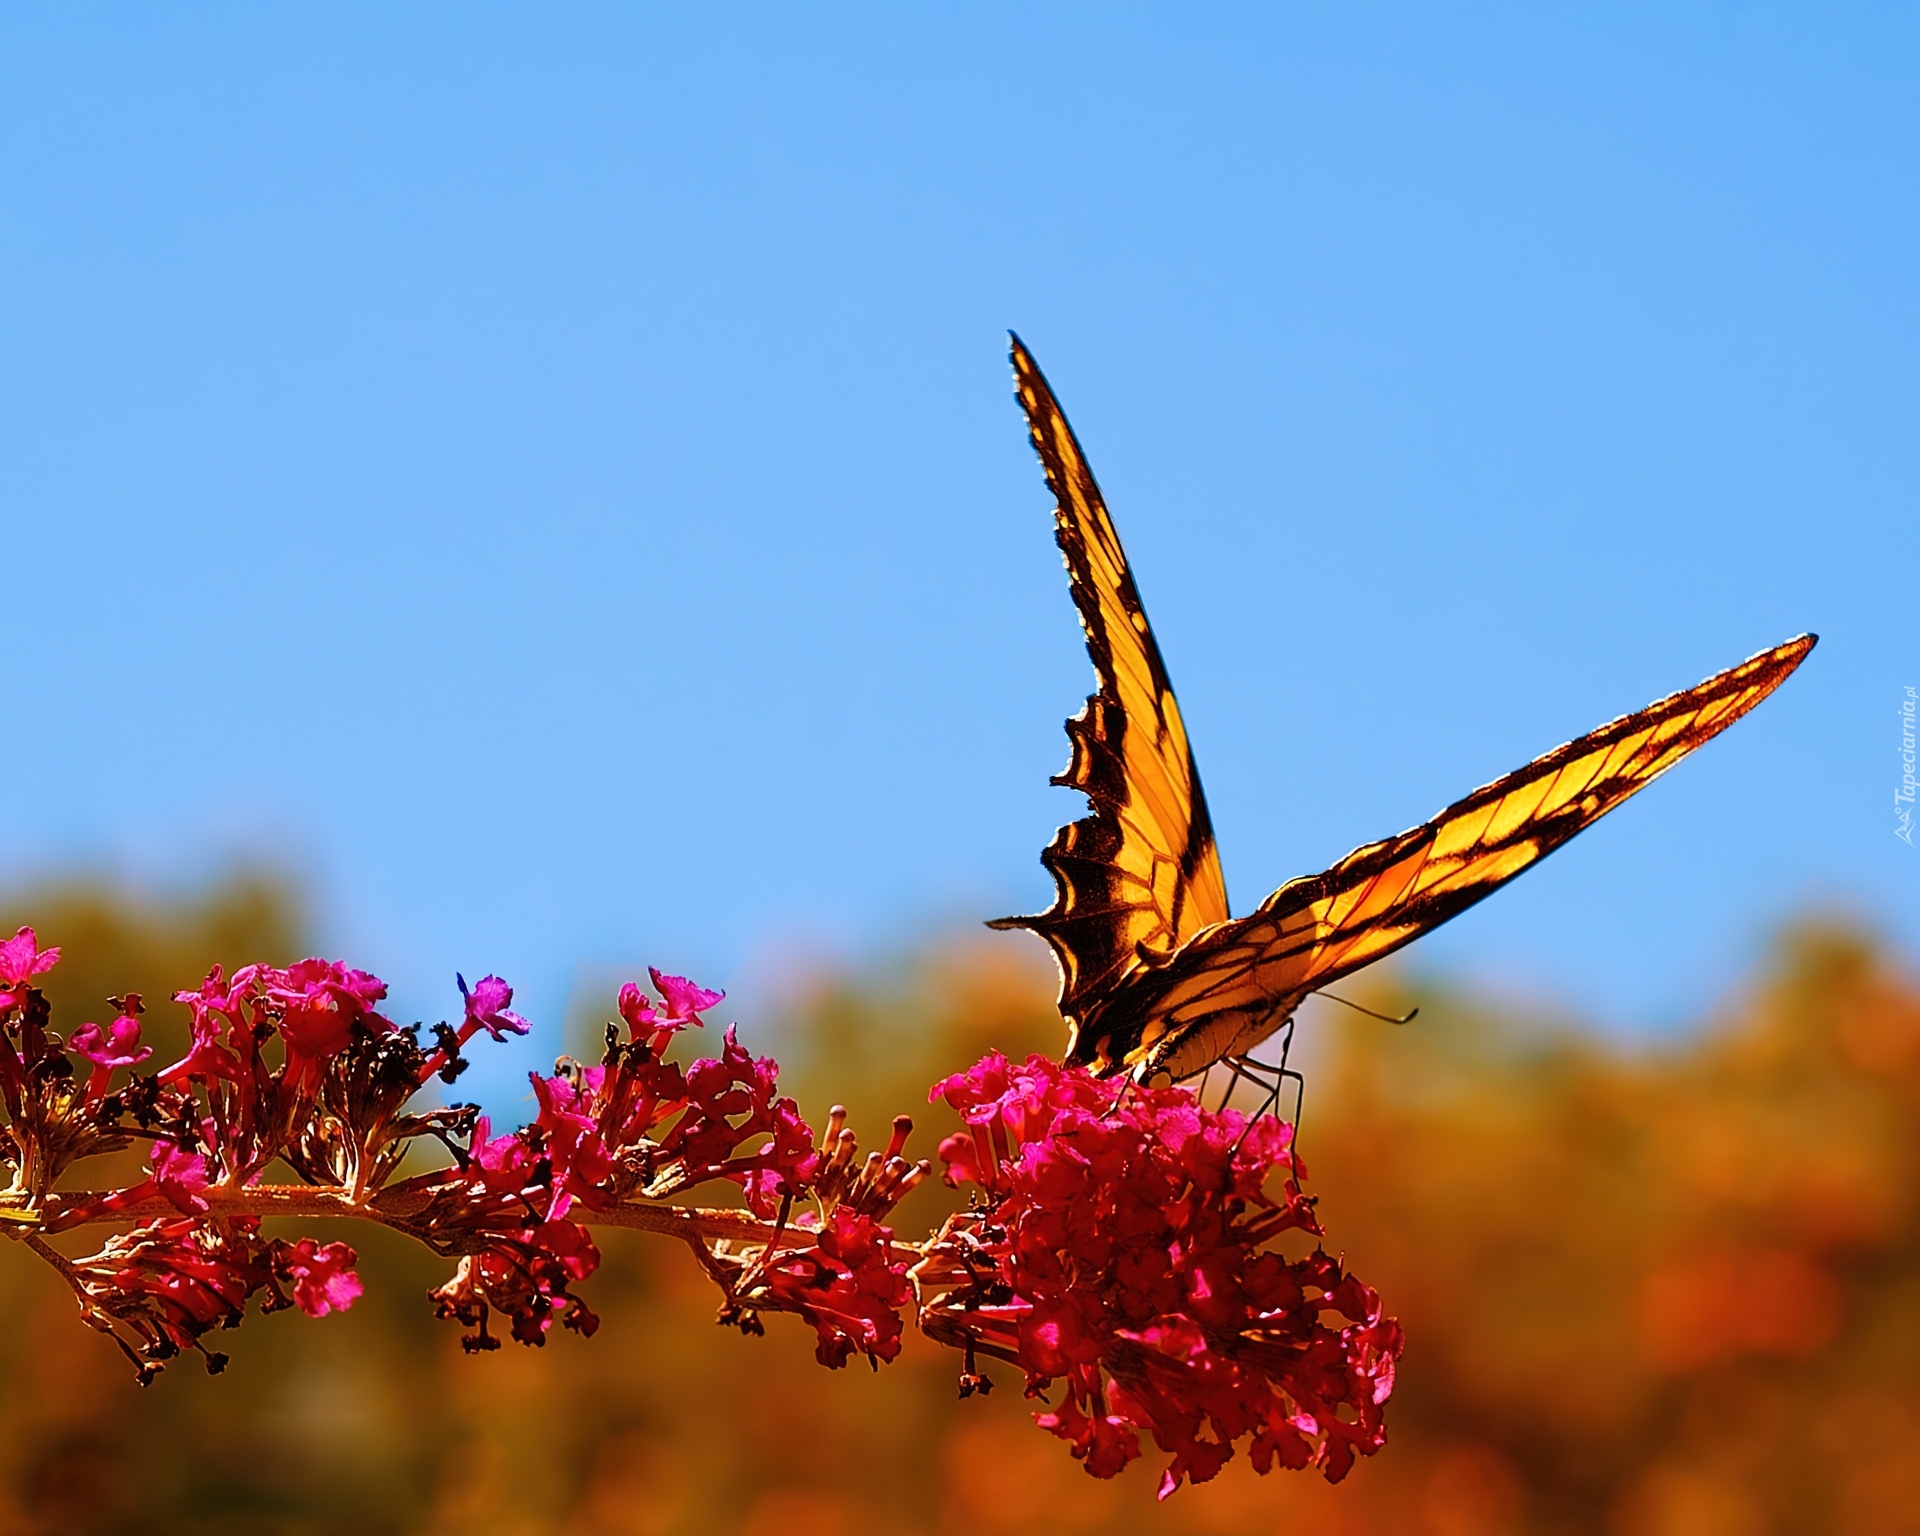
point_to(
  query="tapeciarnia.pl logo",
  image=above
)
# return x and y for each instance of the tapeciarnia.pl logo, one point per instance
(1903, 796)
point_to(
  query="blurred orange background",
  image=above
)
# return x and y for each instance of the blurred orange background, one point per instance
(1669, 1289)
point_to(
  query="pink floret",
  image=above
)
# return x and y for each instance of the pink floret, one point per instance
(684, 1001)
(21, 958)
(323, 1278)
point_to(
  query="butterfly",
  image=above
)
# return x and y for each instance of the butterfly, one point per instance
(1157, 978)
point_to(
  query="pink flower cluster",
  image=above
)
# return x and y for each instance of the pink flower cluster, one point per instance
(635, 1126)
(170, 1282)
(212, 1121)
(849, 1283)
(661, 1128)
(1122, 1253)
(1122, 1248)
(639, 1127)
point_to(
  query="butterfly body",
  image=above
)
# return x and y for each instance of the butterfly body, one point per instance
(1157, 978)
(1169, 1022)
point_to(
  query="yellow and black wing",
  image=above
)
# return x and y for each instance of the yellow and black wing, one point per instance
(1235, 985)
(1139, 876)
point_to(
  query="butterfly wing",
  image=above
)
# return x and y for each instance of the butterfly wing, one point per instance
(1140, 875)
(1235, 985)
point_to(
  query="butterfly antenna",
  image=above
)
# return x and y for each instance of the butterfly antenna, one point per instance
(1385, 1018)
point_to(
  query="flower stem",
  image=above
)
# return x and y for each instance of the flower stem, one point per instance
(397, 1207)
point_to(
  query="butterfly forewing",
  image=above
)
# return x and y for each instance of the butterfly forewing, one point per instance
(1139, 876)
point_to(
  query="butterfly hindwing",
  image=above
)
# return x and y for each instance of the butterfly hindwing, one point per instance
(1234, 985)
(1138, 876)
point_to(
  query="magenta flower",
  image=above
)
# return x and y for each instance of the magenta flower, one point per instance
(170, 1281)
(118, 1045)
(505, 1163)
(487, 1008)
(320, 1002)
(571, 1246)
(323, 1278)
(637, 1009)
(729, 1100)
(21, 959)
(575, 1148)
(849, 1285)
(180, 1176)
(212, 1005)
(684, 1001)
(527, 1279)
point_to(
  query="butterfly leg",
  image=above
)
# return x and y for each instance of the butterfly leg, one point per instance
(1274, 1077)
(1236, 1075)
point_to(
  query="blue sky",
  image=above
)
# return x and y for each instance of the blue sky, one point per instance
(549, 478)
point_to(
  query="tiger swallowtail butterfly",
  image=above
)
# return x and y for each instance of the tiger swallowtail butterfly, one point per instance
(1157, 977)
